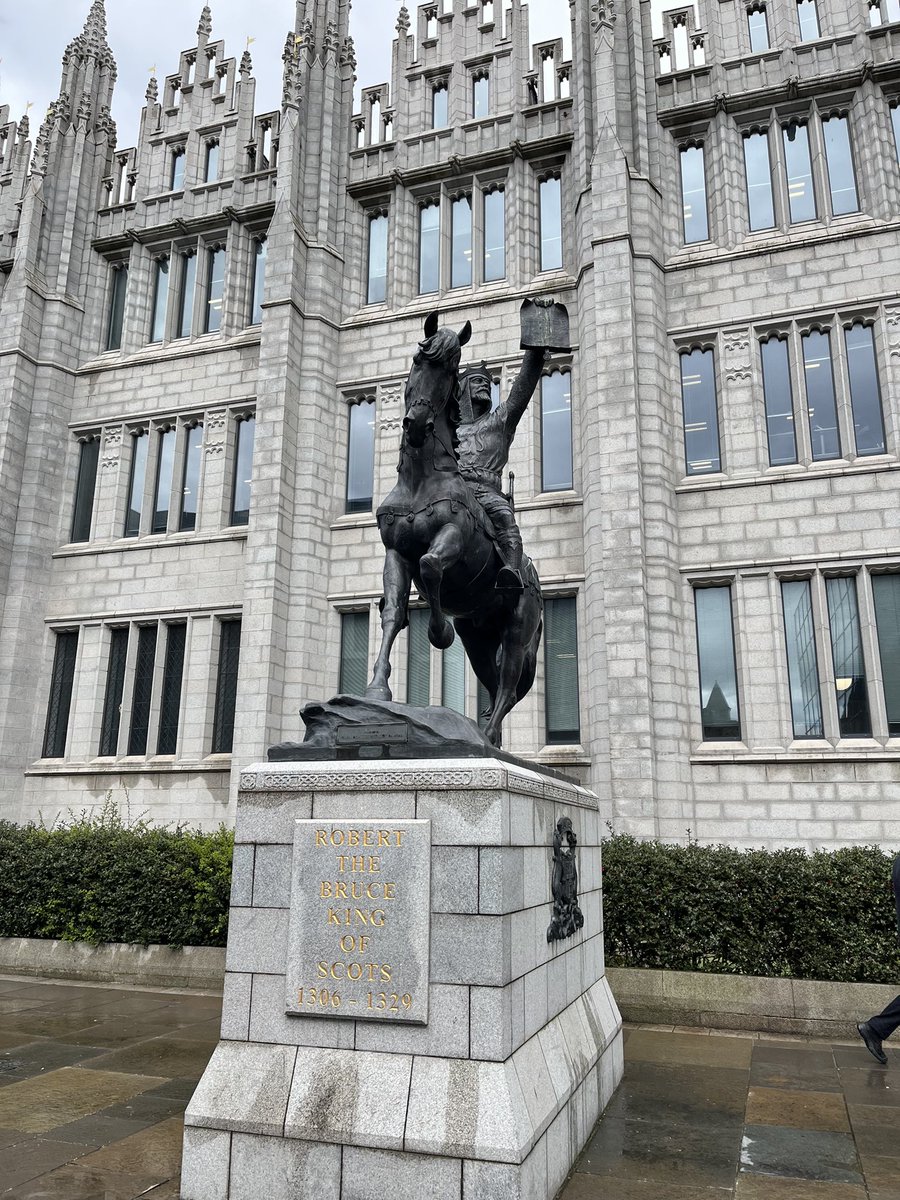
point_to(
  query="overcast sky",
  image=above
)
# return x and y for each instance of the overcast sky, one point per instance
(151, 35)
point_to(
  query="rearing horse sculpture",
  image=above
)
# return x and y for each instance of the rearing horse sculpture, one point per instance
(436, 534)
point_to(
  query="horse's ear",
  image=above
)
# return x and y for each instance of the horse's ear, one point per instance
(465, 334)
(431, 325)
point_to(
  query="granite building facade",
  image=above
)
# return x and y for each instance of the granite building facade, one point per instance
(203, 345)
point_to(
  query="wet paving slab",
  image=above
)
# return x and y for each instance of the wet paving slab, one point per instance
(94, 1082)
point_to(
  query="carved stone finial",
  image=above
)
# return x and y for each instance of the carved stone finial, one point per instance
(403, 21)
(95, 25)
(152, 93)
(348, 53)
(24, 126)
(204, 28)
(83, 112)
(246, 67)
(330, 40)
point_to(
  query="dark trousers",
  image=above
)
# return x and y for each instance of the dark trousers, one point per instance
(885, 1023)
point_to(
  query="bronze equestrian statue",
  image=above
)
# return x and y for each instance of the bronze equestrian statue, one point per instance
(447, 526)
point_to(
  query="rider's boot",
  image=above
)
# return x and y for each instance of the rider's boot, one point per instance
(509, 577)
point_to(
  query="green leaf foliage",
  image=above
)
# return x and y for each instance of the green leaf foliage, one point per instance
(788, 913)
(97, 879)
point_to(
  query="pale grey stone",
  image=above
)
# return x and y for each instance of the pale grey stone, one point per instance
(205, 1164)
(364, 806)
(559, 1060)
(272, 877)
(469, 949)
(468, 1110)
(283, 1169)
(499, 1181)
(491, 1023)
(383, 1174)
(242, 876)
(349, 1097)
(465, 818)
(446, 1035)
(258, 1104)
(268, 817)
(536, 1084)
(257, 940)
(454, 879)
(236, 1006)
(362, 955)
(501, 879)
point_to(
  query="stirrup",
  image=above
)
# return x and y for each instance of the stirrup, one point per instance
(509, 580)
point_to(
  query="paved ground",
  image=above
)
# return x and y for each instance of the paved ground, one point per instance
(93, 1082)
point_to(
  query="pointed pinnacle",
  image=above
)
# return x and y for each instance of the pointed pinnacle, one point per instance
(95, 25)
(205, 26)
(403, 21)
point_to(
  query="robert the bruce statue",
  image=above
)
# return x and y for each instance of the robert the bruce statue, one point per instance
(485, 437)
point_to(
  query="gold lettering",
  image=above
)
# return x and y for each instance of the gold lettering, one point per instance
(357, 863)
(398, 834)
(321, 837)
(387, 973)
(325, 890)
(342, 861)
(333, 918)
(368, 838)
(376, 917)
(390, 891)
(340, 891)
(384, 838)
(322, 970)
(353, 837)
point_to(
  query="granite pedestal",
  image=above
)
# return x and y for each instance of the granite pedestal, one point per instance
(493, 1097)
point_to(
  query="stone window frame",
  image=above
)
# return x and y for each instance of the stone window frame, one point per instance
(835, 322)
(370, 213)
(862, 572)
(698, 738)
(562, 364)
(85, 436)
(177, 250)
(822, 21)
(707, 340)
(542, 173)
(750, 7)
(211, 141)
(356, 399)
(881, 23)
(114, 265)
(475, 186)
(694, 141)
(475, 75)
(256, 236)
(548, 747)
(436, 81)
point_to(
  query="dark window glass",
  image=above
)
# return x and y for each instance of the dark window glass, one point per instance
(354, 653)
(494, 235)
(865, 393)
(170, 698)
(165, 467)
(808, 19)
(226, 686)
(186, 295)
(693, 195)
(243, 472)
(776, 369)
(88, 456)
(801, 195)
(118, 290)
(701, 418)
(215, 289)
(719, 709)
(453, 678)
(561, 669)
(847, 652)
(759, 180)
(212, 162)
(823, 427)
(429, 248)
(261, 252)
(418, 668)
(190, 490)
(895, 121)
(440, 107)
(461, 239)
(115, 690)
(886, 589)
(176, 180)
(803, 664)
(556, 432)
(481, 97)
(144, 662)
(61, 683)
(378, 252)
(361, 457)
(139, 446)
(759, 30)
(551, 224)
(160, 300)
(838, 155)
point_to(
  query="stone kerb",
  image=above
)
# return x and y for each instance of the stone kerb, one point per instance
(522, 1046)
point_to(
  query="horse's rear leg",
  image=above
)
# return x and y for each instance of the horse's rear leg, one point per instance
(445, 549)
(397, 580)
(481, 646)
(512, 660)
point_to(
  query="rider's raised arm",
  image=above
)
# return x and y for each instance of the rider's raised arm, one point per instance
(524, 387)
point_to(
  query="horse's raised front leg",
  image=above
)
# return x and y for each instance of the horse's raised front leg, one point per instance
(397, 580)
(445, 549)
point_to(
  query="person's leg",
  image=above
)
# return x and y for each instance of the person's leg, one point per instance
(886, 1022)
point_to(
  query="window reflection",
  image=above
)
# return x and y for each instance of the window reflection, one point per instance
(139, 443)
(701, 420)
(429, 248)
(440, 107)
(361, 457)
(801, 196)
(461, 239)
(808, 20)
(243, 471)
(563, 717)
(758, 28)
(838, 155)
(160, 299)
(719, 709)
(886, 590)
(759, 180)
(693, 195)
(418, 661)
(865, 393)
(820, 400)
(165, 467)
(556, 432)
(803, 665)
(551, 224)
(494, 235)
(378, 249)
(849, 665)
(481, 97)
(354, 653)
(190, 489)
(215, 289)
(776, 369)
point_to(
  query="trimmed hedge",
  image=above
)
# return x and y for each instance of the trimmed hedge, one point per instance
(828, 915)
(97, 879)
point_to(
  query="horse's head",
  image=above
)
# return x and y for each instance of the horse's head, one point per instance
(433, 379)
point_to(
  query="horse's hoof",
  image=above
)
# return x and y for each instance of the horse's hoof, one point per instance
(379, 693)
(442, 637)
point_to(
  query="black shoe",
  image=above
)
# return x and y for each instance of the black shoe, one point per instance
(873, 1042)
(509, 580)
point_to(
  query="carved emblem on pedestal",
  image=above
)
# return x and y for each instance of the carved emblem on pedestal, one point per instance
(567, 916)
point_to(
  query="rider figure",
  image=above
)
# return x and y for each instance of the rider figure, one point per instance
(485, 439)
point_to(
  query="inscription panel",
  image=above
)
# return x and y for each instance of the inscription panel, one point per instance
(360, 920)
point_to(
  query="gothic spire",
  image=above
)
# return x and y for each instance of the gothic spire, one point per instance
(95, 25)
(91, 43)
(204, 29)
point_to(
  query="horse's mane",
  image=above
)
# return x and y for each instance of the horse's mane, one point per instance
(444, 349)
